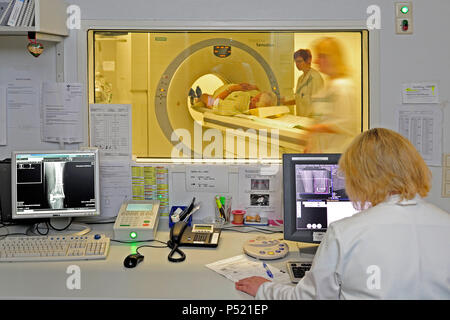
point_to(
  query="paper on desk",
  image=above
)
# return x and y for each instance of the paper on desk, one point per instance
(61, 105)
(3, 123)
(242, 266)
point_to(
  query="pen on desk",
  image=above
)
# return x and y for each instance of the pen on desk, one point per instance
(269, 273)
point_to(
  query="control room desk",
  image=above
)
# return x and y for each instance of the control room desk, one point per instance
(153, 278)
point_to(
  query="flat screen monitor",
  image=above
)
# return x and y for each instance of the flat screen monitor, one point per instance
(49, 184)
(314, 196)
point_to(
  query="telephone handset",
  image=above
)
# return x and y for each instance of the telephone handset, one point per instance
(175, 237)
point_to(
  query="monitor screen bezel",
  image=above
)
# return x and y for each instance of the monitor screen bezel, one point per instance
(55, 213)
(289, 193)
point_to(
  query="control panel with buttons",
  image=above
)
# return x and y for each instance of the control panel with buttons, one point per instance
(266, 249)
(137, 220)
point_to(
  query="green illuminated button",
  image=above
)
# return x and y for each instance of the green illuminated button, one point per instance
(146, 221)
(133, 235)
(404, 9)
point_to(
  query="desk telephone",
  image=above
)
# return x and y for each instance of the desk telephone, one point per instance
(199, 235)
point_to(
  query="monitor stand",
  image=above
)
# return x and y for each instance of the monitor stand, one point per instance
(61, 223)
(308, 251)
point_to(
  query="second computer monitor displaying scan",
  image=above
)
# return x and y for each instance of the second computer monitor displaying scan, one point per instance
(314, 195)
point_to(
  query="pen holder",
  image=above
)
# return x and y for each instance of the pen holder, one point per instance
(222, 208)
(172, 211)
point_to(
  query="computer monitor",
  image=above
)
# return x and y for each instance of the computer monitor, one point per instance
(314, 196)
(53, 184)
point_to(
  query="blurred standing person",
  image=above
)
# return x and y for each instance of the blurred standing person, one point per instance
(308, 84)
(335, 107)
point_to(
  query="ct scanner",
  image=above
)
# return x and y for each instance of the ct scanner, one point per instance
(178, 60)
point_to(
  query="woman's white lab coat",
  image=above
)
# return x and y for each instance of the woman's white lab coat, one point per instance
(395, 250)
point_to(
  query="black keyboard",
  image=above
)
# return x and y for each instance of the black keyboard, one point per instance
(297, 269)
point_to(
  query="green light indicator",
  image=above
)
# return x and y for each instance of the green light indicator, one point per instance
(404, 9)
(133, 235)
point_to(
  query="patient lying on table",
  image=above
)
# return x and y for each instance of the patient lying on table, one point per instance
(232, 99)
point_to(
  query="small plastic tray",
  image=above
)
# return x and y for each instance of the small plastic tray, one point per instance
(172, 210)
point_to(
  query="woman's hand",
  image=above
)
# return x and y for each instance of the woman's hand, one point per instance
(250, 285)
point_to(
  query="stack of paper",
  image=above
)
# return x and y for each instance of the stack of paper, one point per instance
(242, 266)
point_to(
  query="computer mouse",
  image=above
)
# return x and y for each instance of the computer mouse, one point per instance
(133, 260)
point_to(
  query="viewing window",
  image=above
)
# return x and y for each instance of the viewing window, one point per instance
(234, 94)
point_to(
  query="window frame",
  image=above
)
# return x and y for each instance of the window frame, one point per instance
(371, 91)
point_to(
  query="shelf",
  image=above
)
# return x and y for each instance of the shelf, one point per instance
(50, 22)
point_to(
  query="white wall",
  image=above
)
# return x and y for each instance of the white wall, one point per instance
(419, 57)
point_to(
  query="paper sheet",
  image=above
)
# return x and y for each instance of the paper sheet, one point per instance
(422, 125)
(23, 105)
(62, 105)
(3, 122)
(115, 182)
(259, 191)
(151, 183)
(110, 130)
(242, 266)
(206, 178)
(420, 92)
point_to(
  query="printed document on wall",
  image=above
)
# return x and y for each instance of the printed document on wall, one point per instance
(62, 112)
(422, 125)
(110, 130)
(420, 92)
(22, 98)
(259, 191)
(115, 182)
(3, 123)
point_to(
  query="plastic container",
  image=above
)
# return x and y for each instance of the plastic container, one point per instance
(238, 217)
(172, 210)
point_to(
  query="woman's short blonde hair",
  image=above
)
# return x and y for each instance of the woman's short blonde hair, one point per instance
(381, 162)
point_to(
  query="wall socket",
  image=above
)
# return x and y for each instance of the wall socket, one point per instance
(446, 176)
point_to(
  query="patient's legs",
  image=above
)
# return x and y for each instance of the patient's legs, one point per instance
(307, 179)
(320, 181)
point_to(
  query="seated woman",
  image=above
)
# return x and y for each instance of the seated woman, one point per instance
(393, 250)
(231, 99)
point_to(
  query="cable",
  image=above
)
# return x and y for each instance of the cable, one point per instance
(175, 249)
(3, 236)
(150, 246)
(36, 228)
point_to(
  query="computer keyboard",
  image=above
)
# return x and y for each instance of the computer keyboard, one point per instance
(297, 269)
(54, 248)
